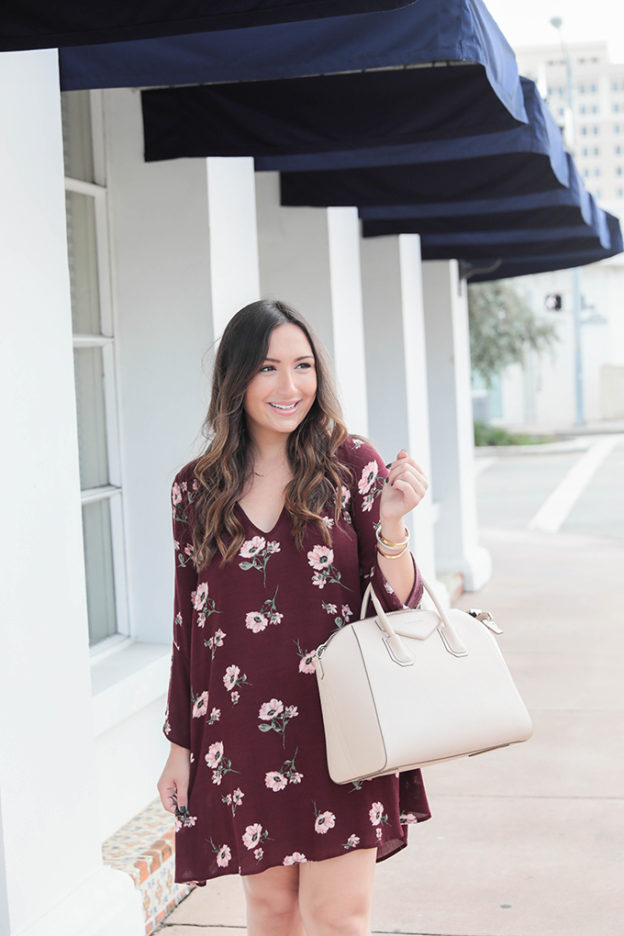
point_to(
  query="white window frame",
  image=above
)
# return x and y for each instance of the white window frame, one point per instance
(112, 492)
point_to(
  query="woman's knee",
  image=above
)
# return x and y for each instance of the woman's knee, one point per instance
(272, 894)
(335, 895)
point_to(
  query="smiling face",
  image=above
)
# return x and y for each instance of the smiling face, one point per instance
(280, 395)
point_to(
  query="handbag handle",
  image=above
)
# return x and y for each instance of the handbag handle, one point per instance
(397, 648)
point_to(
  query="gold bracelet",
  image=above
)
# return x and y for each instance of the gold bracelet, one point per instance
(384, 542)
(396, 555)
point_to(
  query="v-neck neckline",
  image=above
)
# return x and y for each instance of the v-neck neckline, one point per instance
(255, 526)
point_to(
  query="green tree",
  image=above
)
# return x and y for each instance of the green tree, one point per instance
(502, 328)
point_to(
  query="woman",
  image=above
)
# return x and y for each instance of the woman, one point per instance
(275, 538)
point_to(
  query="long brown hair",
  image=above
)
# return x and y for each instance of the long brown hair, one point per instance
(224, 467)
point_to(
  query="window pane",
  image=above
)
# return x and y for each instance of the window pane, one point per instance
(98, 555)
(77, 141)
(92, 448)
(82, 256)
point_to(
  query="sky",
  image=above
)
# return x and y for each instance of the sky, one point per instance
(527, 22)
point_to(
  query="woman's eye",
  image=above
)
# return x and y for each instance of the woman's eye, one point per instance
(305, 365)
(266, 368)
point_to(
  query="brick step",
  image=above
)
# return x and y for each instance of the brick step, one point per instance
(144, 849)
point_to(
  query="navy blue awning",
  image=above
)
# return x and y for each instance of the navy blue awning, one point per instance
(542, 261)
(570, 207)
(39, 24)
(426, 32)
(527, 160)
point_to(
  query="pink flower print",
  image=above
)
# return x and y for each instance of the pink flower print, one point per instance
(275, 781)
(231, 675)
(217, 777)
(251, 836)
(252, 547)
(369, 473)
(223, 856)
(235, 696)
(183, 819)
(306, 664)
(259, 552)
(269, 710)
(352, 842)
(255, 621)
(330, 608)
(215, 715)
(389, 588)
(378, 833)
(321, 557)
(328, 521)
(259, 854)
(345, 496)
(176, 494)
(406, 818)
(200, 705)
(278, 717)
(237, 796)
(296, 777)
(215, 753)
(324, 822)
(346, 612)
(295, 858)
(375, 813)
(200, 596)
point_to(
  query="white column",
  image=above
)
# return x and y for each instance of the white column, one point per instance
(396, 367)
(53, 881)
(450, 408)
(235, 276)
(309, 258)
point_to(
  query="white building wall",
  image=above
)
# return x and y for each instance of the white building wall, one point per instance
(50, 861)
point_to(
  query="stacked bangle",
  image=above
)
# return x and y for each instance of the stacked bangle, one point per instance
(393, 547)
(387, 544)
(395, 556)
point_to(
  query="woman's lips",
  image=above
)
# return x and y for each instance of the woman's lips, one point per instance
(285, 407)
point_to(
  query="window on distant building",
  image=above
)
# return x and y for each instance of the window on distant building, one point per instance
(618, 170)
(584, 131)
(94, 363)
(596, 151)
(593, 88)
(597, 171)
(582, 109)
(618, 150)
(595, 129)
(581, 89)
(620, 192)
(616, 128)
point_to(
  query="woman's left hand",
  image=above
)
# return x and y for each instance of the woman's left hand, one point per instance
(405, 488)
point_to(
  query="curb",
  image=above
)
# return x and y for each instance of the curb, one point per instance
(580, 444)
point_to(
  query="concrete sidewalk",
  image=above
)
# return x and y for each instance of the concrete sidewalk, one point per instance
(528, 840)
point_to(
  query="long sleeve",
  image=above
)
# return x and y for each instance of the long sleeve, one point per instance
(370, 473)
(178, 713)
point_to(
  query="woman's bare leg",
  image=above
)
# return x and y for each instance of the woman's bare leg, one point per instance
(272, 902)
(335, 895)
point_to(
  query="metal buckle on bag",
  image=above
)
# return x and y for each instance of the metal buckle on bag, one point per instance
(486, 618)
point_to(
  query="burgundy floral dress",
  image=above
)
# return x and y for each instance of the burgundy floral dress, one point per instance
(243, 695)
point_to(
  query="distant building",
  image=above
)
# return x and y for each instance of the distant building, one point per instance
(541, 393)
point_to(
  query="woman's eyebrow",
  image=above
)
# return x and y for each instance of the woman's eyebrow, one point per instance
(302, 357)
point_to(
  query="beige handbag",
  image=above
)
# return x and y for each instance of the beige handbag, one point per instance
(409, 688)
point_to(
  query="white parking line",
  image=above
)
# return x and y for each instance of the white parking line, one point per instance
(558, 505)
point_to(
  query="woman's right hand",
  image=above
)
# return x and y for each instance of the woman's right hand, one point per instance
(174, 780)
